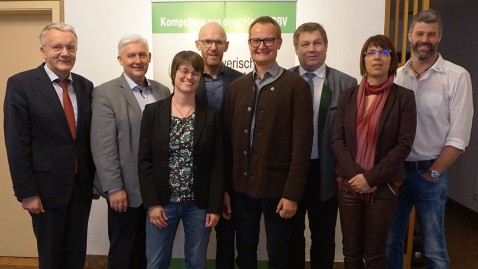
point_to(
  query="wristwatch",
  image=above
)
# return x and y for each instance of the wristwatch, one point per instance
(433, 173)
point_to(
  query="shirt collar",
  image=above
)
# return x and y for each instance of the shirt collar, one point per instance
(438, 66)
(220, 74)
(319, 72)
(133, 85)
(54, 76)
(274, 71)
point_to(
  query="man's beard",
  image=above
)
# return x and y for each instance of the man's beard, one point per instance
(424, 55)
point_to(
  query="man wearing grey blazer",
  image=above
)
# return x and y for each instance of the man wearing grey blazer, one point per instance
(320, 195)
(117, 112)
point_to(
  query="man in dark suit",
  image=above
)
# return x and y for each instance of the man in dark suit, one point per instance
(212, 42)
(320, 195)
(117, 112)
(47, 135)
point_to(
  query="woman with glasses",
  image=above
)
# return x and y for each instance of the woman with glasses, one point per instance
(373, 133)
(181, 169)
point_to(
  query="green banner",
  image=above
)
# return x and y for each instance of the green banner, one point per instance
(235, 17)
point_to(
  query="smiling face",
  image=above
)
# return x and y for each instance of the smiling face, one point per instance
(377, 65)
(311, 50)
(212, 53)
(186, 80)
(424, 39)
(59, 51)
(135, 59)
(264, 56)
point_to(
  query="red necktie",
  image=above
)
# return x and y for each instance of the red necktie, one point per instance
(68, 107)
(69, 113)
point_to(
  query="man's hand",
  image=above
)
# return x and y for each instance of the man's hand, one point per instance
(227, 211)
(212, 220)
(33, 205)
(118, 200)
(286, 208)
(158, 217)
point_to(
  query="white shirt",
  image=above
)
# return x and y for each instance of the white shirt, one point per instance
(59, 90)
(444, 108)
(318, 79)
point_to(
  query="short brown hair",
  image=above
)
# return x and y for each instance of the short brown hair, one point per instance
(186, 57)
(309, 27)
(265, 20)
(383, 42)
(427, 16)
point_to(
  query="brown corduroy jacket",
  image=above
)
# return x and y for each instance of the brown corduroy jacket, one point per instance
(275, 164)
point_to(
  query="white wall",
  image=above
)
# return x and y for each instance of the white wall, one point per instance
(100, 24)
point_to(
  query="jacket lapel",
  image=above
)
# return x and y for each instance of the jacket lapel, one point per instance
(51, 97)
(200, 120)
(389, 103)
(325, 99)
(82, 102)
(130, 98)
(163, 121)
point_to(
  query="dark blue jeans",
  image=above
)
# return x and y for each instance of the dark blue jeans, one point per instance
(248, 215)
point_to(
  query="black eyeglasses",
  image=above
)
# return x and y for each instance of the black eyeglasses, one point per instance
(380, 52)
(208, 43)
(256, 42)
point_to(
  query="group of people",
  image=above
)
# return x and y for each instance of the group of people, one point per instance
(225, 149)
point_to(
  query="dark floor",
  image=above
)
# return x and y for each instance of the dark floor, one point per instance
(461, 232)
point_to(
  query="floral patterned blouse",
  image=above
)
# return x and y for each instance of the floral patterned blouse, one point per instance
(181, 159)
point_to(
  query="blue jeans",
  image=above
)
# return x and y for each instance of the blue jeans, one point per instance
(159, 242)
(429, 199)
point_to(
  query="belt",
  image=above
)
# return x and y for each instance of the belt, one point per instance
(418, 165)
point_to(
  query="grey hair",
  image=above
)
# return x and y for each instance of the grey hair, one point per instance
(427, 16)
(58, 26)
(131, 38)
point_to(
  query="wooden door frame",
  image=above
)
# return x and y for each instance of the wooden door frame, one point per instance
(55, 8)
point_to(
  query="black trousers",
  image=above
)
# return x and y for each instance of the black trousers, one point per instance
(225, 245)
(248, 216)
(61, 233)
(322, 216)
(127, 235)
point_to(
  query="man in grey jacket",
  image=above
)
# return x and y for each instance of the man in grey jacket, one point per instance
(117, 112)
(319, 200)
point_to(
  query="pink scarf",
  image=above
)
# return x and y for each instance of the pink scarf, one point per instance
(367, 120)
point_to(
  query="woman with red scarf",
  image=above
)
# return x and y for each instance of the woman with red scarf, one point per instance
(373, 132)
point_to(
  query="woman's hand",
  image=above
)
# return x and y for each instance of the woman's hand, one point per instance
(360, 185)
(211, 220)
(158, 217)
